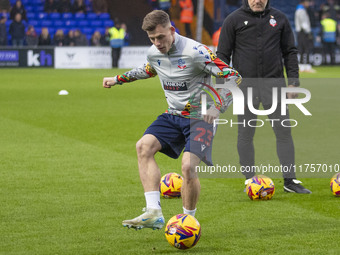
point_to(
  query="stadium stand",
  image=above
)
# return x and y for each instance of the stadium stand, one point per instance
(87, 23)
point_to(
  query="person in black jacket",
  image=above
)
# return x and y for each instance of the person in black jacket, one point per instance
(256, 38)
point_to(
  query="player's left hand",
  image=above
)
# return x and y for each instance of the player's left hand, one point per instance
(212, 114)
(108, 82)
(292, 95)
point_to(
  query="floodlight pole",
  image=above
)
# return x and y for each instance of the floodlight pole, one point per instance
(200, 16)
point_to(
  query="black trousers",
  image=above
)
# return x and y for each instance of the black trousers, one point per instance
(284, 140)
(115, 56)
(305, 46)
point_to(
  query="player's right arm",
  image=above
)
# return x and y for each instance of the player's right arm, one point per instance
(143, 72)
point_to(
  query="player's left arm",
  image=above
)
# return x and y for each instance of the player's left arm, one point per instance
(289, 54)
(216, 67)
(142, 72)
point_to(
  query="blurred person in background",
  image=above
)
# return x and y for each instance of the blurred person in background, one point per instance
(69, 38)
(117, 35)
(18, 8)
(328, 36)
(332, 7)
(3, 30)
(51, 6)
(99, 6)
(187, 14)
(17, 31)
(96, 39)
(44, 37)
(5, 6)
(59, 38)
(80, 39)
(64, 6)
(105, 38)
(304, 35)
(164, 5)
(78, 6)
(32, 38)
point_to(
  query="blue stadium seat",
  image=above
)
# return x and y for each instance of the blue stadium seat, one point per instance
(30, 15)
(92, 16)
(87, 30)
(29, 8)
(67, 15)
(96, 23)
(54, 16)
(58, 23)
(79, 16)
(46, 23)
(108, 23)
(42, 15)
(70, 23)
(101, 30)
(83, 23)
(34, 22)
(104, 16)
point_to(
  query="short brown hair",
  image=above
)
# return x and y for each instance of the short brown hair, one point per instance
(154, 18)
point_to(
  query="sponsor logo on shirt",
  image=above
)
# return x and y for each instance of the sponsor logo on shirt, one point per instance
(175, 85)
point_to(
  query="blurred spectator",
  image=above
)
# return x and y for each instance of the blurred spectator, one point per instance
(127, 35)
(59, 38)
(51, 6)
(3, 30)
(78, 6)
(153, 4)
(18, 8)
(96, 39)
(329, 34)
(17, 31)
(187, 14)
(5, 5)
(31, 36)
(215, 38)
(80, 39)
(164, 5)
(99, 6)
(64, 6)
(105, 38)
(332, 8)
(304, 35)
(45, 38)
(69, 38)
(117, 35)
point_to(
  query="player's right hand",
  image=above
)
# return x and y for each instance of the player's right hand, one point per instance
(108, 82)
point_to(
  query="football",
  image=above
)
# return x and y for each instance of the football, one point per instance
(335, 185)
(183, 231)
(170, 185)
(260, 187)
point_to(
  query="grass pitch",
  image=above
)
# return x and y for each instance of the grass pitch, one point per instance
(68, 172)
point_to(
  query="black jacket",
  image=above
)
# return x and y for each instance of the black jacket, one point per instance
(260, 44)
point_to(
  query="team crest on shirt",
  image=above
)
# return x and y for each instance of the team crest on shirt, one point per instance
(272, 21)
(181, 64)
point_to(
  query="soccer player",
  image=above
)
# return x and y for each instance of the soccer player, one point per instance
(260, 42)
(184, 67)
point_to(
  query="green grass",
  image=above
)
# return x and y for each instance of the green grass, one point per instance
(68, 172)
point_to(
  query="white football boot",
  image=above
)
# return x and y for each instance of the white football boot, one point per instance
(152, 218)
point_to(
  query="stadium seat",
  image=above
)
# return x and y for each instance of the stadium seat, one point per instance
(30, 15)
(42, 15)
(79, 16)
(54, 16)
(104, 16)
(29, 8)
(87, 30)
(34, 22)
(82, 23)
(96, 23)
(108, 23)
(92, 16)
(70, 23)
(67, 15)
(46, 23)
(58, 23)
